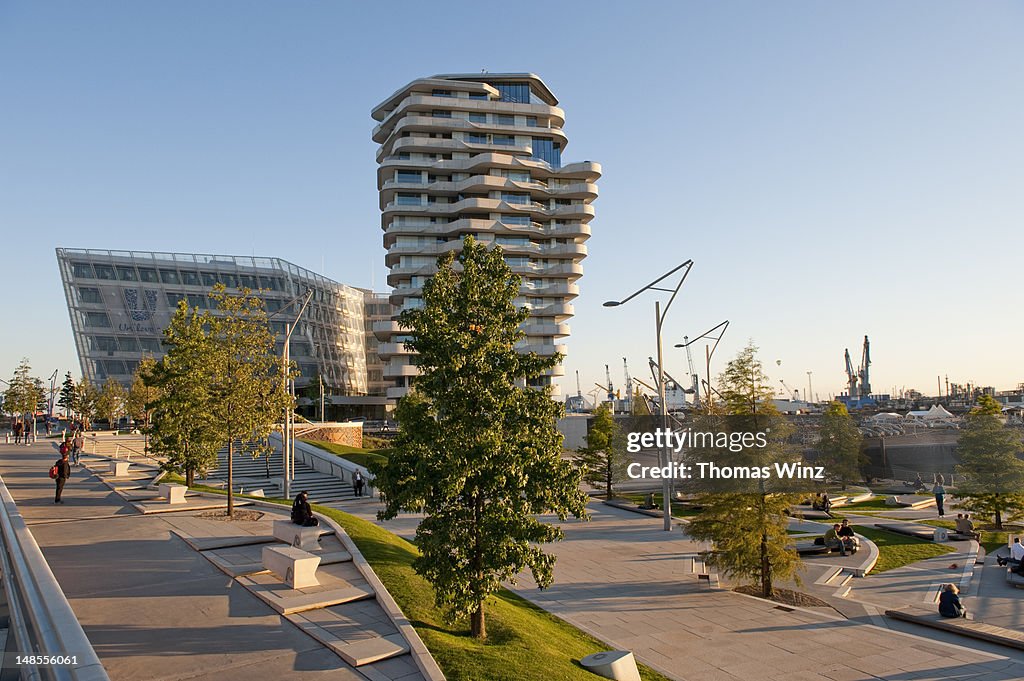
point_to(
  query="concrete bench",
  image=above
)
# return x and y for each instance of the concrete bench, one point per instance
(174, 493)
(923, 532)
(292, 565)
(960, 625)
(1013, 579)
(300, 537)
(809, 548)
(119, 468)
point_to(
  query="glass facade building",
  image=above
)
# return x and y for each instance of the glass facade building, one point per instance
(121, 301)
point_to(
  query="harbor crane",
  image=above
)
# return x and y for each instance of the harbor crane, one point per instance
(629, 387)
(575, 403)
(795, 394)
(862, 375)
(611, 388)
(693, 374)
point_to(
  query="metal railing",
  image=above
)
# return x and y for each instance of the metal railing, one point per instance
(41, 619)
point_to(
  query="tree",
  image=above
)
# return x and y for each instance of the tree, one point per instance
(479, 451)
(66, 397)
(247, 386)
(24, 393)
(110, 401)
(85, 401)
(603, 458)
(183, 427)
(140, 397)
(839, 444)
(992, 472)
(748, 528)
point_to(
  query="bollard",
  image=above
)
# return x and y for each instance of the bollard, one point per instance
(619, 665)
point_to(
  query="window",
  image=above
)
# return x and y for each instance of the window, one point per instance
(517, 175)
(150, 345)
(517, 199)
(229, 280)
(169, 276)
(477, 118)
(411, 176)
(441, 93)
(517, 261)
(248, 281)
(515, 219)
(128, 344)
(504, 140)
(514, 92)
(113, 366)
(148, 275)
(87, 294)
(478, 95)
(96, 320)
(209, 279)
(407, 199)
(105, 272)
(196, 300)
(125, 273)
(441, 113)
(103, 343)
(512, 241)
(531, 121)
(476, 138)
(190, 278)
(173, 298)
(548, 151)
(503, 119)
(81, 270)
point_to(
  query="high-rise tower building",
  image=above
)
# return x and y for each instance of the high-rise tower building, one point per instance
(481, 154)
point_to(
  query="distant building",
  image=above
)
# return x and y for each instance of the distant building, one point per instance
(120, 302)
(481, 154)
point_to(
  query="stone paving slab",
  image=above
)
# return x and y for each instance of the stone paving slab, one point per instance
(286, 600)
(192, 504)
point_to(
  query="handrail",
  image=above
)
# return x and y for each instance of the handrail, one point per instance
(42, 620)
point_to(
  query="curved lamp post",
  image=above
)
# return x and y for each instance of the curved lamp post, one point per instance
(659, 319)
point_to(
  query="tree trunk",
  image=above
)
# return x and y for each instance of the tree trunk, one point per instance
(766, 568)
(231, 494)
(478, 626)
(999, 520)
(190, 476)
(608, 482)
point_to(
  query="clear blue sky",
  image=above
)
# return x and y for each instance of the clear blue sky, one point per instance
(834, 169)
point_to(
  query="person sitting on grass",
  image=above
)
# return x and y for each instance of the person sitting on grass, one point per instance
(965, 526)
(949, 602)
(834, 541)
(848, 536)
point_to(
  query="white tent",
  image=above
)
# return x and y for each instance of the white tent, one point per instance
(937, 413)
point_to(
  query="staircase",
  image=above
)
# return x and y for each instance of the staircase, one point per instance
(250, 474)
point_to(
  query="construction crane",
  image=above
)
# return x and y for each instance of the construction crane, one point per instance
(795, 394)
(611, 388)
(693, 374)
(865, 362)
(53, 391)
(851, 377)
(575, 403)
(629, 387)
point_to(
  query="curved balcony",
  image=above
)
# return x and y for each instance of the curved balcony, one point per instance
(585, 171)
(385, 329)
(472, 225)
(555, 330)
(387, 350)
(416, 102)
(435, 124)
(483, 184)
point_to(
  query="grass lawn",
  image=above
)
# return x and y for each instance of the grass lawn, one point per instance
(678, 510)
(525, 643)
(896, 550)
(357, 455)
(873, 504)
(991, 538)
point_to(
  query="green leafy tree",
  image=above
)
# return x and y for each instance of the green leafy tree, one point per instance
(992, 473)
(603, 458)
(110, 401)
(66, 397)
(183, 427)
(839, 444)
(248, 389)
(24, 393)
(141, 395)
(479, 451)
(85, 402)
(748, 529)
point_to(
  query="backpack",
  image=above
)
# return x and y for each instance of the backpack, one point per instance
(54, 472)
(64, 447)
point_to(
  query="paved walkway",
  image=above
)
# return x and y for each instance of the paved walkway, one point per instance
(619, 577)
(153, 607)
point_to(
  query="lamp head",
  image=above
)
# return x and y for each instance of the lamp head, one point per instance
(612, 303)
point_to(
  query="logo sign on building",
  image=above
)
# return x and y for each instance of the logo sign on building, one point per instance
(141, 306)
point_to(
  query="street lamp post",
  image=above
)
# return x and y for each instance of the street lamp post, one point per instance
(659, 321)
(708, 351)
(286, 430)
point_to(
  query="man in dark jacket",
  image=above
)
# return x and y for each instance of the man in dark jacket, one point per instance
(63, 473)
(949, 602)
(302, 512)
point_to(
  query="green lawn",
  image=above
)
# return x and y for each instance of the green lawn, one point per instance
(525, 643)
(678, 510)
(896, 550)
(357, 455)
(991, 539)
(873, 504)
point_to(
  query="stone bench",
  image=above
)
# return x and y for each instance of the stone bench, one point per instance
(291, 565)
(304, 538)
(174, 493)
(960, 625)
(923, 532)
(809, 548)
(1013, 579)
(119, 468)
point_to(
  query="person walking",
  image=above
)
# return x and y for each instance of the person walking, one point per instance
(940, 496)
(63, 473)
(17, 432)
(76, 447)
(357, 483)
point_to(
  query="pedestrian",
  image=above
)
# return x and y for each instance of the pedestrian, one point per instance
(357, 483)
(949, 602)
(63, 473)
(76, 447)
(940, 496)
(17, 432)
(49, 427)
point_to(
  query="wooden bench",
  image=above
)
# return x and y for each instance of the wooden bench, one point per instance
(298, 536)
(960, 625)
(292, 565)
(119, 468)
(174, 493)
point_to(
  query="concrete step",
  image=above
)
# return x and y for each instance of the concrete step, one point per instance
(372, 649)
